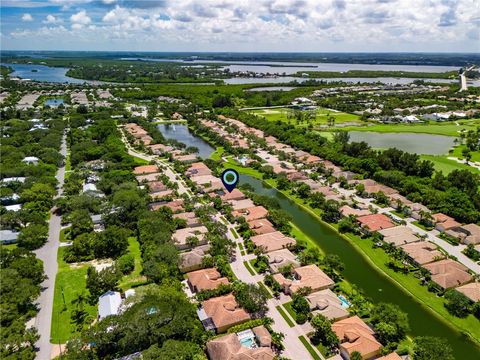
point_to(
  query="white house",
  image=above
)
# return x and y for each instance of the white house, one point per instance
(13, 179)
(411, 119)
(31, 160)
(15, 207)
(8, 236)
(89, 187)
(109, 304)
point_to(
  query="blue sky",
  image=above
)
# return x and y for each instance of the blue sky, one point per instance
(242, 25)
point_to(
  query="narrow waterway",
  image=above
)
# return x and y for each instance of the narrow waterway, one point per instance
(360, 272)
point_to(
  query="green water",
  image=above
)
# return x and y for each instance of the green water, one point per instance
(359, 271)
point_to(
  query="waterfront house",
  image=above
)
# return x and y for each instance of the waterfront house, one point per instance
(422, 252)
(346, 211)
(253, 213)
(399, 235)
(326, 303)
(305, 277)
(205, 279)
(234, 195)
(280, 259)
(221, 313)
(375, 222)
(272, 241)
(261, 226)
(448, 273)
(357, 336)
(241, 204)
(471, 291)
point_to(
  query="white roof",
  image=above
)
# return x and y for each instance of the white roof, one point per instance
(30, 159)
(129, 292)
(13, 179)
(108, 304)
(15, 207)
(89, 187)
(6, 235)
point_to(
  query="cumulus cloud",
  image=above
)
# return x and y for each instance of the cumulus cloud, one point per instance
(27, 17)
(51, 19)
(80, 19)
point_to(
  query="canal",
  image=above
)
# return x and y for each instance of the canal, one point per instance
(360, 272)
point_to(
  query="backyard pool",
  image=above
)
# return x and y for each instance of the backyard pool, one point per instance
(247, 338)
(344, 301)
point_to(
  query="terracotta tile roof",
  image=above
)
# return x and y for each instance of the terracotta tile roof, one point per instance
(261, 226)
(224, 311)
(263, 336)
(448, 273)
(205, 279)
(375, 222)
(346, 210)
(472, 291)
(253, 213)
(149, 177)
(155, 186)
(234, 195)
(391, 356)
(145, 169)
(327, 303)
(272, 241)
(422, 252)
(228, 347)
(197, 169)
(355, 335)
(309, 276)
(280, 258)
(399, 235)
(241, 204)
(192, 260)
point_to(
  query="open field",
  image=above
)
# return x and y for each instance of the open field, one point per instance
(321, 115)
(447, 129)
(69, 284)
(134, 278)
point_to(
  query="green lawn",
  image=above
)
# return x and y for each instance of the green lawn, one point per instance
(262, 285)
(234, 233)
(445, 165)
(62, 235)
(310, 348)
(288, 307)
(282, 114)
(284, 315)
(70, 281)
(457, 152)
(249, 268)
(135, 278)
(447, 129)
(421, 226)
(217, 154)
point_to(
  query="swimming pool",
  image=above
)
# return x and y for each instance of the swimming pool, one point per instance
(247, 338)
(344, 301)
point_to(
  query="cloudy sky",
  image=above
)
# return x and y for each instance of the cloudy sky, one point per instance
(241, 25)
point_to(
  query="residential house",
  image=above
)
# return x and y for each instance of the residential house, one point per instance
(305, 277)
(282, 258)
(190, 218)
(205, 279)
(467, 234)
(391, 356)
(8, 237)
(229, 347)
(417, 210)
(444, 222)
(261, 226)
(235, 194)
(448, 273)
(394, 199)
(193, 259)
(327, 303)
(31, 160)
(422, 252)
(272, 241)
(109, 304)
(346, 211)
(472, 291)
(189, 237)
(145, 169)
(355, 335)
(253, 213)
(375, 222)
(221, 313)
(198, 169)
(399, 235)
(238, 205)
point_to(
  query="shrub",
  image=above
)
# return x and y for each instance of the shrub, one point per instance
(126, 264)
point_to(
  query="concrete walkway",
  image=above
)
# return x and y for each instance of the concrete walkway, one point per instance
(48, 254)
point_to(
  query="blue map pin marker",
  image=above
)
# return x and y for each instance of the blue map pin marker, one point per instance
(230, 179)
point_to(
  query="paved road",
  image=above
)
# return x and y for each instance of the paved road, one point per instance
(48, 254)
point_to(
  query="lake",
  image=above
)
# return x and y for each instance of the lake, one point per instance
(413, 143)
(45, 73)
(53, 102)
(182, 133)
(360, 272)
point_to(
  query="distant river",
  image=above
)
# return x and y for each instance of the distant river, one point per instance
(412, 143)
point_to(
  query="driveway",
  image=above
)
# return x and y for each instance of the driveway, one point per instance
(48, 254)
